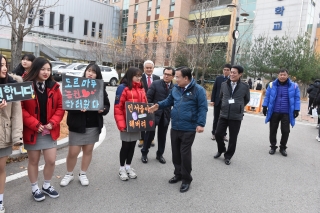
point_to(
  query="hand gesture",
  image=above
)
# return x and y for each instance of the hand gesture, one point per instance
(3, 104)
(199, 129)
(41, 127)
(153, 108)
(211, 103)
(48, 126)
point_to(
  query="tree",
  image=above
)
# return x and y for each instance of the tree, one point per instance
(17, 12)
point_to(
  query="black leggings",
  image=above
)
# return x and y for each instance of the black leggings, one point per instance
(126, 152)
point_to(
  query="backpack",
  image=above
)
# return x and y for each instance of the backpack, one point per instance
(259, 86)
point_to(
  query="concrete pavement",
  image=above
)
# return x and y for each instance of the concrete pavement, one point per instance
(254, 182)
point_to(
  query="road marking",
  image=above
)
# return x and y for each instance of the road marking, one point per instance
(58, 162)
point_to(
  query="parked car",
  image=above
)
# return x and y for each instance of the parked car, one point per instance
(109, 75)
(70, 68)
(54, 72)
(55, 63)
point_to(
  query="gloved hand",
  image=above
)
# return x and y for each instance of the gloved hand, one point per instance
(265, 110)
(296, 113)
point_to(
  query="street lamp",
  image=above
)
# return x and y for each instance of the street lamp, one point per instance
(235, 33)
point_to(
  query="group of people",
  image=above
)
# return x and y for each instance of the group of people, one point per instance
(184, 103)
(229, 97)
(36, 124)
(314, 103)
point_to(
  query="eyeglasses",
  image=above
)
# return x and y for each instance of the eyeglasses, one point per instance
(169, 75)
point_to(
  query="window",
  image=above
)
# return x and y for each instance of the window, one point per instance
(172, 3)
(170, 26)
(158, 7)
(51, 20)
(41, 16)
(158, 3)
(156, 25)
(168, 50)
(136, 8)
(30, 16)
(149, 4)
(70, 24)
(147, 29)
(61, 22)
(149, 12)
(93, 29)
(100, 30)
(134, 28)
(85, 32)
(158, 11)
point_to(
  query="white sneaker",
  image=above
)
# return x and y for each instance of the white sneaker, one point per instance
(131, 173)
(66, 180)
(318, 138)
(2, 210)
(123, 174)
(83, 180)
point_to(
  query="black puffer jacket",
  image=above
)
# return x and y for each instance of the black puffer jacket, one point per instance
(158, 92)
(313, 89)
(240, 95)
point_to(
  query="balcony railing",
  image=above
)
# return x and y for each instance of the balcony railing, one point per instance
(208, 30)
(209, 4)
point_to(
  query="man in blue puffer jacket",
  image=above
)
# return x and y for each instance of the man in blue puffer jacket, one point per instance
(188, 116)
(281, 104)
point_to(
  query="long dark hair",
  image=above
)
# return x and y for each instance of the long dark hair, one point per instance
(19, 70)
(94, 67)
(127, 78)
(36, 66)
(3, 80)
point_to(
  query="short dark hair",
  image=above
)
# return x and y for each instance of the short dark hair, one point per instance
(169, 68)
(185, 71)
(227, 66)
(239, 68)
(94, 67)
(284, 70)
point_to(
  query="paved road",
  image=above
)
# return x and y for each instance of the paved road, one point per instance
(254, 182)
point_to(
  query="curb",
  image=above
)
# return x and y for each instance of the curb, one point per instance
(60, 144)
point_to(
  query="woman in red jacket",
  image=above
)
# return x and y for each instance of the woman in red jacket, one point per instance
(130, 90)
(41, 125)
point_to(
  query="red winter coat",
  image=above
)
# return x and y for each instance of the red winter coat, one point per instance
(31, 114)
(123, 95)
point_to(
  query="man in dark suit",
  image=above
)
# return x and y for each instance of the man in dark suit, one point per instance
(147, 79)
(215, 98)
(234, 95)
(158, 91)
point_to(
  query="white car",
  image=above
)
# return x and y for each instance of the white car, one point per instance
(109, 75)
(158, 71)
(75, 67)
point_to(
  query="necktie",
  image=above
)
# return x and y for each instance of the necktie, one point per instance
(182, 89)
(149, 81)
(233, 86)
(40, 87)
(167, 86)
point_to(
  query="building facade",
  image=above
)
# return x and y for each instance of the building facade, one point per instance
(67, 31)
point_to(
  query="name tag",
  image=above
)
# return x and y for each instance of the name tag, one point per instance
(231, 101)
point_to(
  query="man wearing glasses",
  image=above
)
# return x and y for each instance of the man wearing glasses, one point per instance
(147, 79)
(158, 91)
(188, 116)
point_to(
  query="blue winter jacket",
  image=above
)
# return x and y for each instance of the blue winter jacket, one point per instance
(189, 107)
(294, 99)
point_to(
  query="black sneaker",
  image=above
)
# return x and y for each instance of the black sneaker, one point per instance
(51, 192)
(38, 195)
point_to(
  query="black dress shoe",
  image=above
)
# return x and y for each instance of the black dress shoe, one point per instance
(272, 151)
(161, 159)
(175, 179)
(283, 152)
(184, 187)
(144, 159)
(227, 161)
(217, 155)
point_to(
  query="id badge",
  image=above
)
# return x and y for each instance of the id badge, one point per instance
(231, 101)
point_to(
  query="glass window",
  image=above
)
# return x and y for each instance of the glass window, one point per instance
(41, 17)
(93, 29)
(100, 30)
(158, 11)
(61, 21)
(171, 8)
(70, 24)
(170, 23)
(85, 32)
(149, 4)
(148, 12)
(30, 16)
(51, 20)
(158, 3)
(136, 8)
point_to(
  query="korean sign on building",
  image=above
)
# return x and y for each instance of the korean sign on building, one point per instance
(137, 117)
(278, 24)
(16, 91)
(82, 93)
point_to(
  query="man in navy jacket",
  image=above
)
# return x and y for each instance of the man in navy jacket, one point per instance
(188, 116)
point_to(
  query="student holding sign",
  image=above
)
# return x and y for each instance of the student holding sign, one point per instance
(41, 126)
(84, 130)
(130, 90)
(10, 126)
